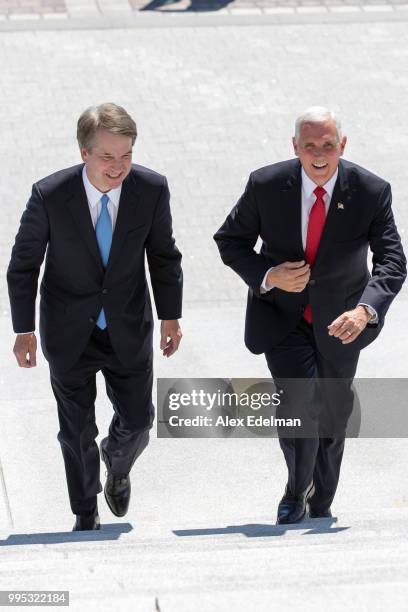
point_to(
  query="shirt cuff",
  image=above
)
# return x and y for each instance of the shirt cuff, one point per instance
(25, 333)
(264, 287)
(373, 313)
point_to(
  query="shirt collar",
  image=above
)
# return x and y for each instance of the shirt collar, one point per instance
(309, 186)
(94, 195)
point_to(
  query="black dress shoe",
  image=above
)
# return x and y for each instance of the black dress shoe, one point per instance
(86, 522)
(320, 513)
(116, 490)
(292, 508)
(117, 493)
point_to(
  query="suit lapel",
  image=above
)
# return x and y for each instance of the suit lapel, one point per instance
(78, 206)
(125, 219)
(292, 200)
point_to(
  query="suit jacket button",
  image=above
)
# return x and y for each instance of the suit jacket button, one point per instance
(104, 291)
(312, 282)
(91, 320)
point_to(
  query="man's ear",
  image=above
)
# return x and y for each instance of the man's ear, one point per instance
(84, 154)
(295, 146)
(343, 144)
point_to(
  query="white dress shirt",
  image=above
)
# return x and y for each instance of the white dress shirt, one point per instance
(94, 200)
(308, 199)
(93, 196)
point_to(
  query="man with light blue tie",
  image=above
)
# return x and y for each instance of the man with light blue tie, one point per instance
(96, 222)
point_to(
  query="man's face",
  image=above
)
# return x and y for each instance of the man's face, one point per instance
(109, 161)
(319, 150)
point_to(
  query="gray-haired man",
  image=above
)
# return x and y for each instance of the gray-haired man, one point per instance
(312, 303)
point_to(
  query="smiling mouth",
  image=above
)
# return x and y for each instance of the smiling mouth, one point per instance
(319, 166)
(114, 177)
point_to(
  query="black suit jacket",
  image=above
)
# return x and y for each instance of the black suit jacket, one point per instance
(271, 208)
(75, 286)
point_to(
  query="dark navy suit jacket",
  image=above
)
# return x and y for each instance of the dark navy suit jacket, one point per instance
(75, 285)
(359, 217)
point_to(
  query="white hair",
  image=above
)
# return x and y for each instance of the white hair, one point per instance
(317, 114)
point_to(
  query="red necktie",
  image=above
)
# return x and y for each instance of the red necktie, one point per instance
(315, 226)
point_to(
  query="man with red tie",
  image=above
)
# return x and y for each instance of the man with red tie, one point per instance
(312, 302)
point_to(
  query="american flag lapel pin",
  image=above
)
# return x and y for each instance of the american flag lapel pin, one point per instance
(340, 206)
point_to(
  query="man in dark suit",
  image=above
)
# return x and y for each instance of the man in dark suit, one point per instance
(312, 303)
(96, 222)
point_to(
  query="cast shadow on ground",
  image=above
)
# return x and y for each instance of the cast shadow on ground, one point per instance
(195, 5)
(259, 530)
(110, 531)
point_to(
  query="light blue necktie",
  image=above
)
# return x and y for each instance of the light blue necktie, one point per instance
(103, 231)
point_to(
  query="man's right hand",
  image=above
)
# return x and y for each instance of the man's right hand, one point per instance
(290, 276)
(26, 344)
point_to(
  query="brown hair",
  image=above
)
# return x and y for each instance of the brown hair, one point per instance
(109, 117)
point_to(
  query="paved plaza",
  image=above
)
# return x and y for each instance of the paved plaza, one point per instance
(212, 103)
(32, 10)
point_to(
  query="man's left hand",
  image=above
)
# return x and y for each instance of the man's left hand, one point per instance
(349, 325)
(171, 335)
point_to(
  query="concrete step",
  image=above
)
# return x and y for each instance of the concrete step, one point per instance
(209, 565)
